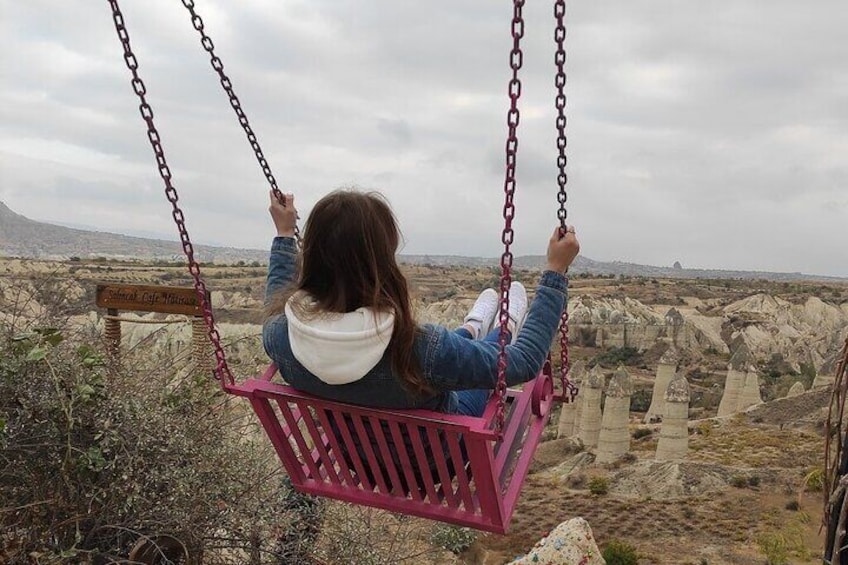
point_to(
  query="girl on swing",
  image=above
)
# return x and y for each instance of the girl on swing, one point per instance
(340, 325)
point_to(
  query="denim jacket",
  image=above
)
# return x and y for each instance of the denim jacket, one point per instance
(448, 361)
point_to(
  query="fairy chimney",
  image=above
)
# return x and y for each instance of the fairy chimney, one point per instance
(567, 426)
(614, 438)
(674, 433)
(666, 369)
(735, 381)
(578, 402)
(796, 389)
(751, 392)
(675, 322)
(590, 419)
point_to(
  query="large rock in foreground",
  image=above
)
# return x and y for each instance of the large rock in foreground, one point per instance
(570, 543)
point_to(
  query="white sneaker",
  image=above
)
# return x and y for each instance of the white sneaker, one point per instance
(482, 315)
(517, 308)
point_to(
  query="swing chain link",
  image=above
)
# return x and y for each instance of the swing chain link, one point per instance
(569, 391)
(516, 59)
(235, 103)
(222, 370)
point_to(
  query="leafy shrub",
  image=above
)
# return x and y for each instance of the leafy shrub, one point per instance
(599, 485)
(738, 481)
(620, 553)
(628, 457)
(618, 355)
(640, 433)
(96, 457)
(453, 538)
(640, 400)
(775, 367)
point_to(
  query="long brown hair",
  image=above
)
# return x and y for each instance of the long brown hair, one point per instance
(348, 262)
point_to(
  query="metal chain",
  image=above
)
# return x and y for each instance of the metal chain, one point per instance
(516, 59)
(569, 391)
(235, 103)
(222, 371)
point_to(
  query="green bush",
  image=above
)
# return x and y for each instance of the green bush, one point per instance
(599, 485)
(620, 553)
(95, 457)
(640, 433)
(640, 400)
(618, 355)
(453, 538)
(738, 481)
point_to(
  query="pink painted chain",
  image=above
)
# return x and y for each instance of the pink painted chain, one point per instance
(235, 103)
(569, 391)
(222, 370)
(516, 59)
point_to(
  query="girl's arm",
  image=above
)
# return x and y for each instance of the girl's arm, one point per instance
(282, 264)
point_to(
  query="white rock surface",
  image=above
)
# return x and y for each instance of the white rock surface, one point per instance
(666, 369)
(570, 543)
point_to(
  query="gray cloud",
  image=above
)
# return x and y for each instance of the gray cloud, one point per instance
(713, 134)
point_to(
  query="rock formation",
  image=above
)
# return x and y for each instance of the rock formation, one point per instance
(675, 322)
(796, 390)
(806, 332)
(800, 332)
(569, 543)
(666, 369)
(567, 426)
(751, 392)
(590, 418)
(735, 381)
(614, 438)
(578, 403)
(674, 433)
(826, 374)
(823, 381)
(614, 322)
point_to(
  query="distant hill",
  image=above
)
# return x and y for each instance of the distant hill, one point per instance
(22, 237)
(615, 268)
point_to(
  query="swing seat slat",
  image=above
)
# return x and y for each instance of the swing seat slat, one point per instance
(443, 467)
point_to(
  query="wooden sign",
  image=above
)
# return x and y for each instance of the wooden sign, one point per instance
(150, 298)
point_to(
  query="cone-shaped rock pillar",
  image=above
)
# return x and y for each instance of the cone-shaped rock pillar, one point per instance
(735, 382)
(666, 368)
(674, 433)
(568, 422)
(614, 439)
(590, 418)
(796, 389)
(751, 393)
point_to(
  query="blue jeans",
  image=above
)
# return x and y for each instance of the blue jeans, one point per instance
(473, 402)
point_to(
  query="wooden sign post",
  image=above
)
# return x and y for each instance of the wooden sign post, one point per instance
(153, 298)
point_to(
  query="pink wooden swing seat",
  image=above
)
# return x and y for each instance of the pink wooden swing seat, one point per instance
(424, 479)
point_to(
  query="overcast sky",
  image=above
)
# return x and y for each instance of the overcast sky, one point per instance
(710, 133)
